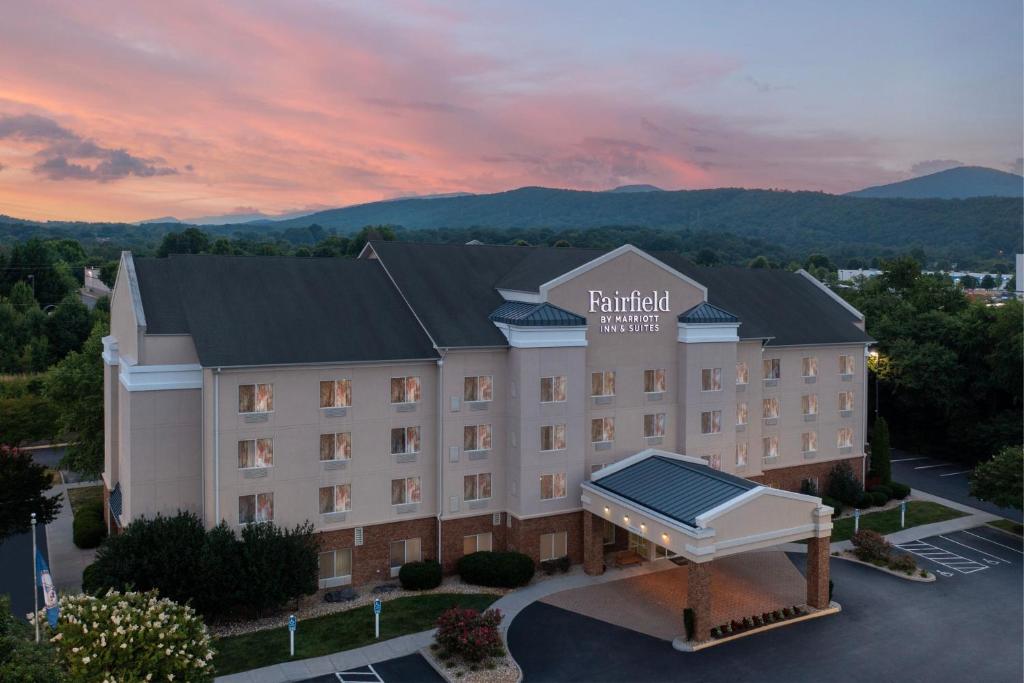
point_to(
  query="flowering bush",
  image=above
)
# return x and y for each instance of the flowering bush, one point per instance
(871, 546)
(469, 634)
(131, 637)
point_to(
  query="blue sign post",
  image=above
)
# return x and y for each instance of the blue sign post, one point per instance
(903, 514)
(376, 617)
(856, 521)
(291, 634)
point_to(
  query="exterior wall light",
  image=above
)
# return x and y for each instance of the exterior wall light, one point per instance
(607, 510)
(664, 538)
(625, 518)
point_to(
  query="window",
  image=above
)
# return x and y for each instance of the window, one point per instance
(844, 437)
(405, 440)
(405, 389)
(654, 381)
(714, 461)
(335, 498)
(711, 422)
(255, 398)
(404, 491)
(256, 508)
(476, 438)
(401, 552)
(809, 404)
(552, 438)
(552, 389)
(608, 533)
(602, 383)
(477, 543)
(602, 429)
(741, 413)
(769, 447)
(742, 373)
(553, 546)
(477, 388)
(336, 446)
(552, 486)
(711, 379)
(476, 486)
(809, 366)
(255, 453)
(809, 442)
(845, 400)
(845, 364)
(741, 454)
(336, 393)
(336, 564)
(654, 425)
(769, 408)
(772, 368)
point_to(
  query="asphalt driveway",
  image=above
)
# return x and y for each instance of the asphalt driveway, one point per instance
(945, 478)
(965, 626)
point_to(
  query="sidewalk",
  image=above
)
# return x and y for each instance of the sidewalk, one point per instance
(67, 561)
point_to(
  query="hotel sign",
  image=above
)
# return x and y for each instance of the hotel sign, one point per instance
(633, 313)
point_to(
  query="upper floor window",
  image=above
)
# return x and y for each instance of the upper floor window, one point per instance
(741, 454)
(476, 438)
(336, 393)
(772, 368)
(654, 425)
(552, 438)
(845, 400)
(742, 372)
(654, 381)
(741, 413)
(769, 408)
(335, 498)
(844, 437)
(255, 398)
(809, 442)
(552, 486)
(478, 388)
(769, 447)
(552, 389)
(809, 404)
(336, 446)
(809, 366)
(405, 440)
(711, 422)
(405, 490)
(602, 383)
(602, 429)
(476, 486)
(255, 453)
(258, 507)
(405, 389)
(711, 379)
(714, 461)
(845, 364)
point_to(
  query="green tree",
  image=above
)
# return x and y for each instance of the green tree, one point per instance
(969, 282)
(21, 658)
(189, 241)
(988, 282)
(23, 485)
(707, 257)
(75, 386)
(67, 327)
(881, 456)
(1000, 480)
(26, 418)
(760, 262)
(561, 243)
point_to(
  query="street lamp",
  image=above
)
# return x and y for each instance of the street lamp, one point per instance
(874, 366)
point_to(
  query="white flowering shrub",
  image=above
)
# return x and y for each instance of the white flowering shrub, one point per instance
(131, 637)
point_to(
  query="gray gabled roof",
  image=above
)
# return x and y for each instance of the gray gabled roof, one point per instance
(676, 489)
(536, 315)
(707, 313)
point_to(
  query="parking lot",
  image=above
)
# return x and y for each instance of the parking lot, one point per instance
(963, 553)
(409, 669)
(946, 478)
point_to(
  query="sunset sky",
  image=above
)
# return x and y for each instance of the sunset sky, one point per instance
(133, 110)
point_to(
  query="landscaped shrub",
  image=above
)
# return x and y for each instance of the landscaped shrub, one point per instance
(501, 569)
(88, 528)
(837, 506)
(808, 487)
(864, 501)
(903, 563)
(469, 634)
(879, 497)
(884, 488)
(688, 622)
(131, 637)
(871, 546)
(899, 491)
(843, 484)
(418, 576)
(560, 564)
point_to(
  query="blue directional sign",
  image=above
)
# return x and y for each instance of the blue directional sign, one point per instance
(291, 623)
(376, 606)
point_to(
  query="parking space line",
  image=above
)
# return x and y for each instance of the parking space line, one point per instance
(943, 557)
(930, 467)
(953, 474)
(975, 549)
(994, 543)
(908, 459)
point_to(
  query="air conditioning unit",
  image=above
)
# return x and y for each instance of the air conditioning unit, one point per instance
(359, 535)
(496, 519)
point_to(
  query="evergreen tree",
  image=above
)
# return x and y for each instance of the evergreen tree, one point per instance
(881, 456)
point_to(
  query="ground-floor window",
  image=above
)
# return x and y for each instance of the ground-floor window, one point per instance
(477, 543)
(335, 567)
(638, 544)
(660, 552)
(553, 546)
(402, 552)
(608, 533)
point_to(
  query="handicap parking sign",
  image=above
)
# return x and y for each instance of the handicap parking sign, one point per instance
(291, 623)
(376, 606)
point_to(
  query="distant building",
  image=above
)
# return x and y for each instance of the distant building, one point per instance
(93, 288)
(1017, 273)
(1001, 279)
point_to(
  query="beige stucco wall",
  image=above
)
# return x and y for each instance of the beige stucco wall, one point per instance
(168, 349)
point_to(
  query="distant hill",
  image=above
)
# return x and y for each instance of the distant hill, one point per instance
(636, 188)
(961, 182)
(228, 218)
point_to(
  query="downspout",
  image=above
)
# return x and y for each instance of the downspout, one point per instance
(440, 453)
(216, 445)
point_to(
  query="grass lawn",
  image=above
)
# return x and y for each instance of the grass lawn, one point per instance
(339, 631)
(888, 521)
(1008, 525)
(85, 494)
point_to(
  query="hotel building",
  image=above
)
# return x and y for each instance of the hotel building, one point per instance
(427, 401)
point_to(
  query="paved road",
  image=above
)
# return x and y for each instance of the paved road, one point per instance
(408, 669)
(964, 627)
(16, 569)
(943, 478)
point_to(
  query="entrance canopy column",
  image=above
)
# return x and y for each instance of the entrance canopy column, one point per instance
(698, 598)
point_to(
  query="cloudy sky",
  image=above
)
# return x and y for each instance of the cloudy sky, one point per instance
(127, 111)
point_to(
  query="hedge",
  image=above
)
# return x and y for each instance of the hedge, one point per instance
(418, 576)
(88, 529)
(879, 498)
(899, 491)
(498, 569)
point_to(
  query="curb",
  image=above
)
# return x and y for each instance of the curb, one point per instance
(931, 578)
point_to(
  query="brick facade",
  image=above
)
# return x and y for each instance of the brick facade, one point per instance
(454, 531)
(524, 534)
(371, 560)
(818, 572)
(698, 598)
(791, 478)
(593, 544)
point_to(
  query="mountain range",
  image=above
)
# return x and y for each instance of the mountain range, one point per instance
(961, 182)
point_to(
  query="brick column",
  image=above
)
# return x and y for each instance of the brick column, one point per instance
(593, 544)
(817, 571)
(698, 598)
